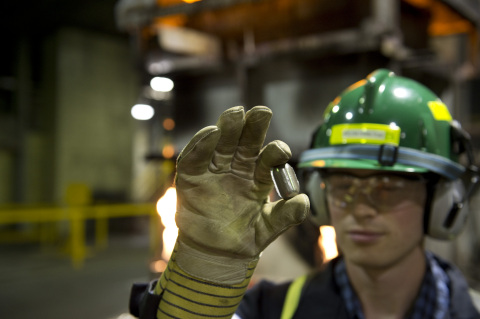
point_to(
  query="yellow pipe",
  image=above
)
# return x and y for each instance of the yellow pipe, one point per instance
(77, 215)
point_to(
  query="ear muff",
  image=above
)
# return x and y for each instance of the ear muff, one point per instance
(448, 211)
(449, 206)
(315, 189)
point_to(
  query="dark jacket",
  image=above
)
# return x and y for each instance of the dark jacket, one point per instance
(321, 298)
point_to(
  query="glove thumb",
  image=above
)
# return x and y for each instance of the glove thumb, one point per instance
(279, 216)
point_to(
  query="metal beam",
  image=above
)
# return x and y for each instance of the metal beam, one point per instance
(469, 9)
(132, 14)
(386, 14)
(204, 5)
(341, 42)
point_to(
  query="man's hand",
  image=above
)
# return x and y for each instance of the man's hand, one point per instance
(223, 182)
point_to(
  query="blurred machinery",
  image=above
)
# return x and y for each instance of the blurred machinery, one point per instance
(291, 54)
(174, 35)
(235, 41)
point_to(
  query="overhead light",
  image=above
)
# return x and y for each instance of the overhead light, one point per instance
(161, 84)
(159, 67)
(168, 151)
(168, 124)
(142, 112)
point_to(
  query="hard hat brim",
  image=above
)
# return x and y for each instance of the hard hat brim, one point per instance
(360, 164)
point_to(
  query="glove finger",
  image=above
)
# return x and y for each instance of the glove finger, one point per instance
(251, 141)
(274, 154)
(280, 216)
(195, 158)
(231, 125)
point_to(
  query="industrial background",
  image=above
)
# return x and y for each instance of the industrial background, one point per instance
(80, 177)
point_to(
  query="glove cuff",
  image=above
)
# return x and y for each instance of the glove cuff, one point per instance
(216, 269)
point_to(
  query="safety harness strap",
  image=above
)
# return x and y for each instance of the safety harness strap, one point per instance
(292, 298)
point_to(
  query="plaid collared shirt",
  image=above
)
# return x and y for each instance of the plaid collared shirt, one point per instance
(432, 300)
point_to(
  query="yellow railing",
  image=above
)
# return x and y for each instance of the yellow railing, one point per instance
(77, 216)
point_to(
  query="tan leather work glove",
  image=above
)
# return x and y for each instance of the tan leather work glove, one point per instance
(223, 181)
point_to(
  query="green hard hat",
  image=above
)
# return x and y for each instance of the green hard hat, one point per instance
(385, 122)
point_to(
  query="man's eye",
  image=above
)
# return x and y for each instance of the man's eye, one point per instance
(341, 186)
(390, 186)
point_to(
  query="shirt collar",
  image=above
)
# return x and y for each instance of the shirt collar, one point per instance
(432, 300)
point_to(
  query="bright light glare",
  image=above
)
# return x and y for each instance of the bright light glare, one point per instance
(168, 151)
(401, 93)
(168, 124)
(142, 112)
(393, 126)
(158, 266)
(161, 84)
(349, 115)
(327, 242)
(166, 208)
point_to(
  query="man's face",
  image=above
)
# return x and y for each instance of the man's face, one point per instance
(377, 216)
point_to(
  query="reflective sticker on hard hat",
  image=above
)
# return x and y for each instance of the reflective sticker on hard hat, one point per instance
(440, 111)
(331, 107)
(318, 163)
(365, 133)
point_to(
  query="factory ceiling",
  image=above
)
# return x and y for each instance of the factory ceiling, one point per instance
(267, 19)
(253, 28)
(33, 17)
(239, 27)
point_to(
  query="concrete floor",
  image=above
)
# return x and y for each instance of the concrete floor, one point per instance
(41, 283)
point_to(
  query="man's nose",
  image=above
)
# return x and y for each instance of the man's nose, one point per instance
(362, 206)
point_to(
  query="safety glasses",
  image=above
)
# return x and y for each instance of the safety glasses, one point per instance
(383, 191)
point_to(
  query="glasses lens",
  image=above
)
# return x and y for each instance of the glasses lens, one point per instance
(383, 191)
(388, 191)
(341, 189)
